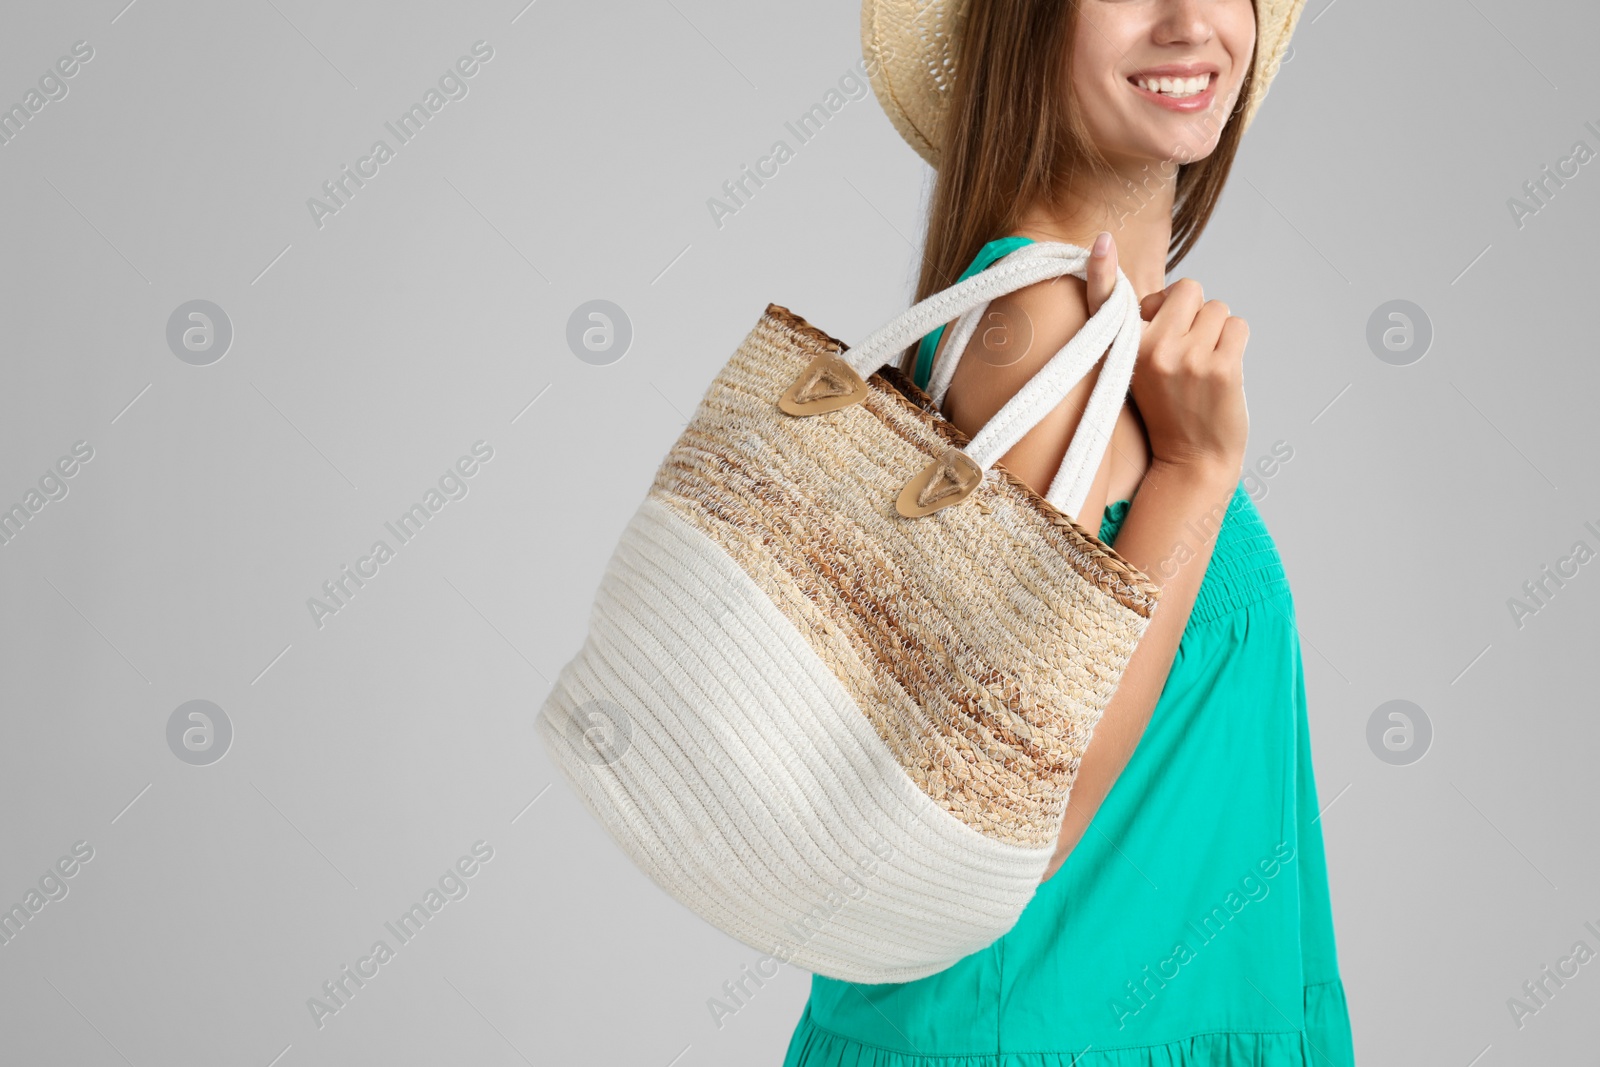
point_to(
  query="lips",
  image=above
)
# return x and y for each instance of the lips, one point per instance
(1182, 87)
(1175, 70)
(1175, 87)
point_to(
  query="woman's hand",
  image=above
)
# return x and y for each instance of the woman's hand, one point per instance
(1188, 383)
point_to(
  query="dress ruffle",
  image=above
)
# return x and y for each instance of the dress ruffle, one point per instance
(1325, 1042)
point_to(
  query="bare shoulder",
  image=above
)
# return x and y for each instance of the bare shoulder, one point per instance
(1019, 334)
(1051, 312)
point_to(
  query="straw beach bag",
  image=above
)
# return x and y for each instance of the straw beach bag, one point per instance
(842, 666)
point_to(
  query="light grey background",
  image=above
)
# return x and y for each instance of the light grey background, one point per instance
(430, 313)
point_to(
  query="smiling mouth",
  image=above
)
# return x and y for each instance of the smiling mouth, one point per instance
(1175, 88)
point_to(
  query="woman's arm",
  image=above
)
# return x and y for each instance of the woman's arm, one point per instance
(1174, 516)
(1018, 335)
(1188, 387)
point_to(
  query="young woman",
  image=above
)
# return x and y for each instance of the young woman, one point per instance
(1185, 918)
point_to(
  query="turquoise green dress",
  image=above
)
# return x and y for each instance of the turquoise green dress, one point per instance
(1191, 926)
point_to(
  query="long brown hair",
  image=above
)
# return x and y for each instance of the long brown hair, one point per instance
(1012, 137)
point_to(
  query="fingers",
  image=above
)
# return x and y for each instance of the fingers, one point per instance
(1188, 329)
(1235, 336)
(1184, 298)
(1102, 271)
(1207, 326)
(1183, 312)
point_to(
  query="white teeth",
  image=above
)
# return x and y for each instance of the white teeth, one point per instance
(1176, 87)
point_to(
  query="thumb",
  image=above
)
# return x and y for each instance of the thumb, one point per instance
(1102, 270)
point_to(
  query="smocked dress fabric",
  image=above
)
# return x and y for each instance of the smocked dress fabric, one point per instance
(1191, 925)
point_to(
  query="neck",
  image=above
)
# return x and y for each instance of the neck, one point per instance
(1134, 204)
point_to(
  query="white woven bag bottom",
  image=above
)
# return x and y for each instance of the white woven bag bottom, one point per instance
(745, 781)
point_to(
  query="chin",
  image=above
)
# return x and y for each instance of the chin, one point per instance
(1156, 153)
(1195, 152)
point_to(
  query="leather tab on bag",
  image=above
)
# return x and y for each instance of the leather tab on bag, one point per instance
(948, 480)
(827, 384)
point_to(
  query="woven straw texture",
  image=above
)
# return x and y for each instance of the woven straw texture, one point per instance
(909, 47)
(982, 644)
(946, 674)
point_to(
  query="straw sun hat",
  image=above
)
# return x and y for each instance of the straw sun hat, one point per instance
(910, 60)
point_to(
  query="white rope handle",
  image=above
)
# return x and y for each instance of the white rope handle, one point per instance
(1116, 324)
(1078, 467)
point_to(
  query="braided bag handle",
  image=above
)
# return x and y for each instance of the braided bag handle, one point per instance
(1116, 324)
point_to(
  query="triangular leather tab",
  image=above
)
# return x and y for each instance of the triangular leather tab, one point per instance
(827, 384)
(950, 479)
(823, 381)
(946, 481)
